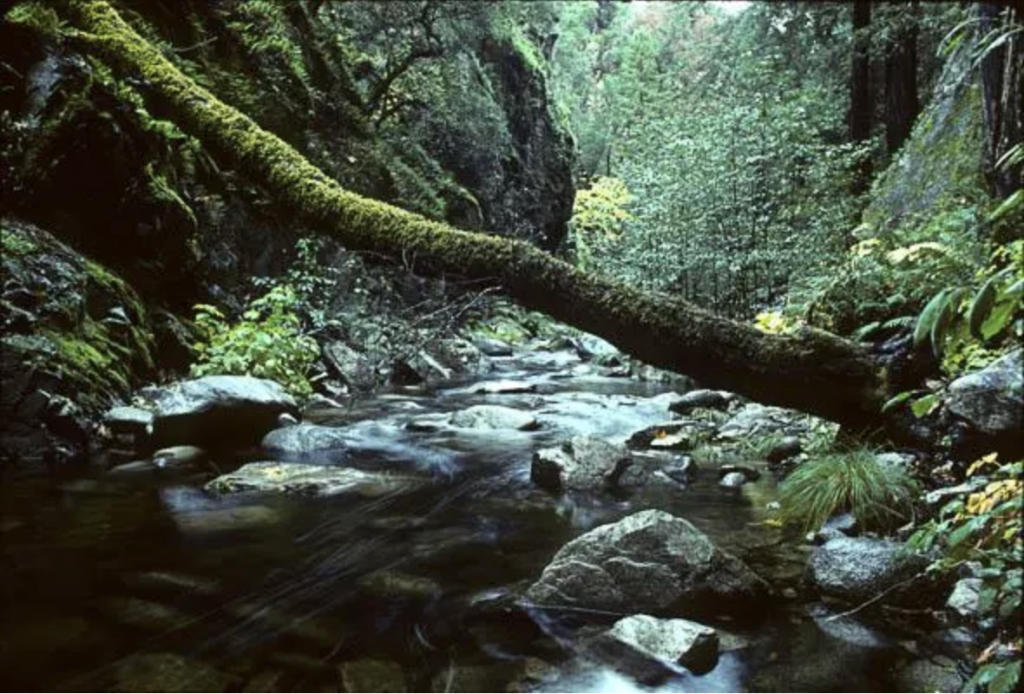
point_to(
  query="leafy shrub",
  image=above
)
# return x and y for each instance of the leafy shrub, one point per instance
(267, 342)
(880, 496)
(599, 215)
(986, 526)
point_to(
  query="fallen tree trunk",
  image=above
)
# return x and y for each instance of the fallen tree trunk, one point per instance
(811, 371)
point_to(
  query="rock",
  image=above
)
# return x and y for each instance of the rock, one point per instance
(317, 401)
(265, 681)
(858, 569)
(755, 420)
(165, 672)
(145, 615)
(583, 463)
(395, 584)
(751, 474)
(493, 417)
(591, 347)
(307, 480)
(134, 421)
(286, 419)
(938, 497)
(786, 448)
(428, 423)
(649, 562)
(896, 461)
(847, 628)
(305, 440)
(215, 520)
(963, 601)
(217, 411)
(842, 525)
(649, 648)
(992, 401)
(666, 436)
(179, 458)
(708, 399)
(733, 480)
(493, 347)
(939, 674)
(356, 370)
(368, 675)
(498, 387)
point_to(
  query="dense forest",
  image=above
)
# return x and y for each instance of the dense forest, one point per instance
(548, 345)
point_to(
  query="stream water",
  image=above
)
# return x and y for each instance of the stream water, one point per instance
(412, 589)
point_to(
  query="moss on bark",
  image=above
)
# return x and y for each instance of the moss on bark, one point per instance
(812, 371)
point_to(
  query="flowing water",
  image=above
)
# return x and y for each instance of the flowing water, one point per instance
(411, 589)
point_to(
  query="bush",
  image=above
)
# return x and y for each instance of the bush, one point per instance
(266, 343)
(880, 496)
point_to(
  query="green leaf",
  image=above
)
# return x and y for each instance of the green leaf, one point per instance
(940, 326)
(1006, 679)
(1008, 205)
(982, 305)
(898, 400)
(998, 319)
(926, 320)
(925, 405)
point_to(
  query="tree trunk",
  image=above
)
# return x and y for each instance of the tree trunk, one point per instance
(1002, 72)
(861, 103)
(811, 371)
(901, 102)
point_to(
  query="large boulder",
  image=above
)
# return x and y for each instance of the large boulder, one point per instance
(759, 420)
(858, 569)
(651, 649)
(355, 369)
(307, 480)
(992, 401)
(709, 399)
(217, 411)
(583, 463)
(650, 562)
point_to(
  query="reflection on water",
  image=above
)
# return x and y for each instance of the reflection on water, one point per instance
(108, 584)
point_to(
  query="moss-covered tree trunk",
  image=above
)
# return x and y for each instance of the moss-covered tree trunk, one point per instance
(811, 371)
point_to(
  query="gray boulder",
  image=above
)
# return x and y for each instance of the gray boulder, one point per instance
(708, 399)
(133, 421)
(992, 400)
(583, 463)
(649, 562)
(652, 649)
(352, 367)
(217, 411)
(759, 420)
(732, 480)
(858, 569)
(304, 440)
(494, 417)
(963, 601)
(307, 480)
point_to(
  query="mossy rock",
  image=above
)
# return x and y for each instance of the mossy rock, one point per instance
(76, 321)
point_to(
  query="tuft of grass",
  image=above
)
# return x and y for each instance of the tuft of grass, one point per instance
(881, 497)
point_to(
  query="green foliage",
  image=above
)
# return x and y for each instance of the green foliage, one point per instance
(267, 342)
(36, 15)
(880, 496)
(987, 526)
(599, 217)
(962, 323)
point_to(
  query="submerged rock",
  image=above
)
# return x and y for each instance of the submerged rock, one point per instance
(649, 562)
(165, 672)
(217, 411)
(307, 480)
(651, 649)
(368, 675)
(494, 417)
(225, 519)
(583, 463)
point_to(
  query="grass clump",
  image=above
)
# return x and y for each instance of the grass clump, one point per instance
(880, 496)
